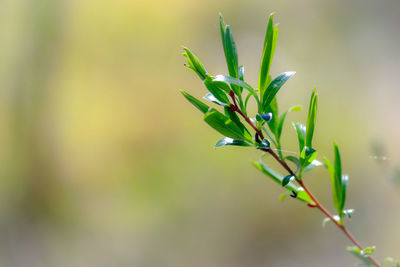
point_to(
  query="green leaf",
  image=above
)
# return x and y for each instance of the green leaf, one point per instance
(301, 194)
(241, 73)
(307, 156)
(345, 179)
(222, 28)
(224, 86)
(226, 141)
(264, 144)
(282, 118)
(359, 254)
(273, 108)
(270, 40)
(336, 187)
(312, 165)
(311, 119)
(214, 89)
(235, 81)
(341, 180)
(195, 64)
(301, 134)
(223, 124)
(210, 97)
(234, 117)
(295, 161)
(229, 46)
(338, 163)
(197, 103)
(230, 53)
(274, 87)
(287, 179)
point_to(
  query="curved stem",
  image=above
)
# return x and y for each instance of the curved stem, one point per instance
(300, 182)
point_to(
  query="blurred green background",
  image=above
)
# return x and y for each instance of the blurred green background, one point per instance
(103, 163)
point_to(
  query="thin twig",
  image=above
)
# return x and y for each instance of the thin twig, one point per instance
(317, 204)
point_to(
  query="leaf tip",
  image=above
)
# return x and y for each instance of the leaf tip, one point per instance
(271, 15)
(290, 73)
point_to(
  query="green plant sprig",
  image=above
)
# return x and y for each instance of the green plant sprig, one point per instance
(232, 93)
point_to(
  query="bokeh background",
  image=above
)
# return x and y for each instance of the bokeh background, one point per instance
(103, 163)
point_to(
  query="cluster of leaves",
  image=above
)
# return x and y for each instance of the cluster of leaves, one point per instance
(232, 94)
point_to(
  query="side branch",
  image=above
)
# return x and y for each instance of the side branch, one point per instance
(318, 205)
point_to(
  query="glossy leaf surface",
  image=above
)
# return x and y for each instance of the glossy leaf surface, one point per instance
(270, 40)
(223, 124)
(301, 134)
(210, 97)
(215, 89)
(235, 81)
(226, 141)
(195, 64)
(274, 87)
(287, 179)
(197, 103)
(234, 117)
(311, 119)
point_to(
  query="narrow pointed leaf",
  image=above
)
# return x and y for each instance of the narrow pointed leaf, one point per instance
(235, 81)
(234, 117)
(230, 53)
(210, 97)
(217, 92)
(345, 179)
(301, 134)
(282, 118)
(273, 108)
(295, 161)
(338, 163)
(195, 63)
(223, 124)
(274, 87)
(315, 163)
(241, 73)
(335, 186)
(226, 141)
(197, 103)
(270, 40)
(311, 119)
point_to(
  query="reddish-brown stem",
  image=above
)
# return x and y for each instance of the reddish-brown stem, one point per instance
(236, 108)
(340, 226)
(316, 204)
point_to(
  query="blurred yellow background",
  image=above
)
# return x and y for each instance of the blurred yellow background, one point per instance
(104, 163)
